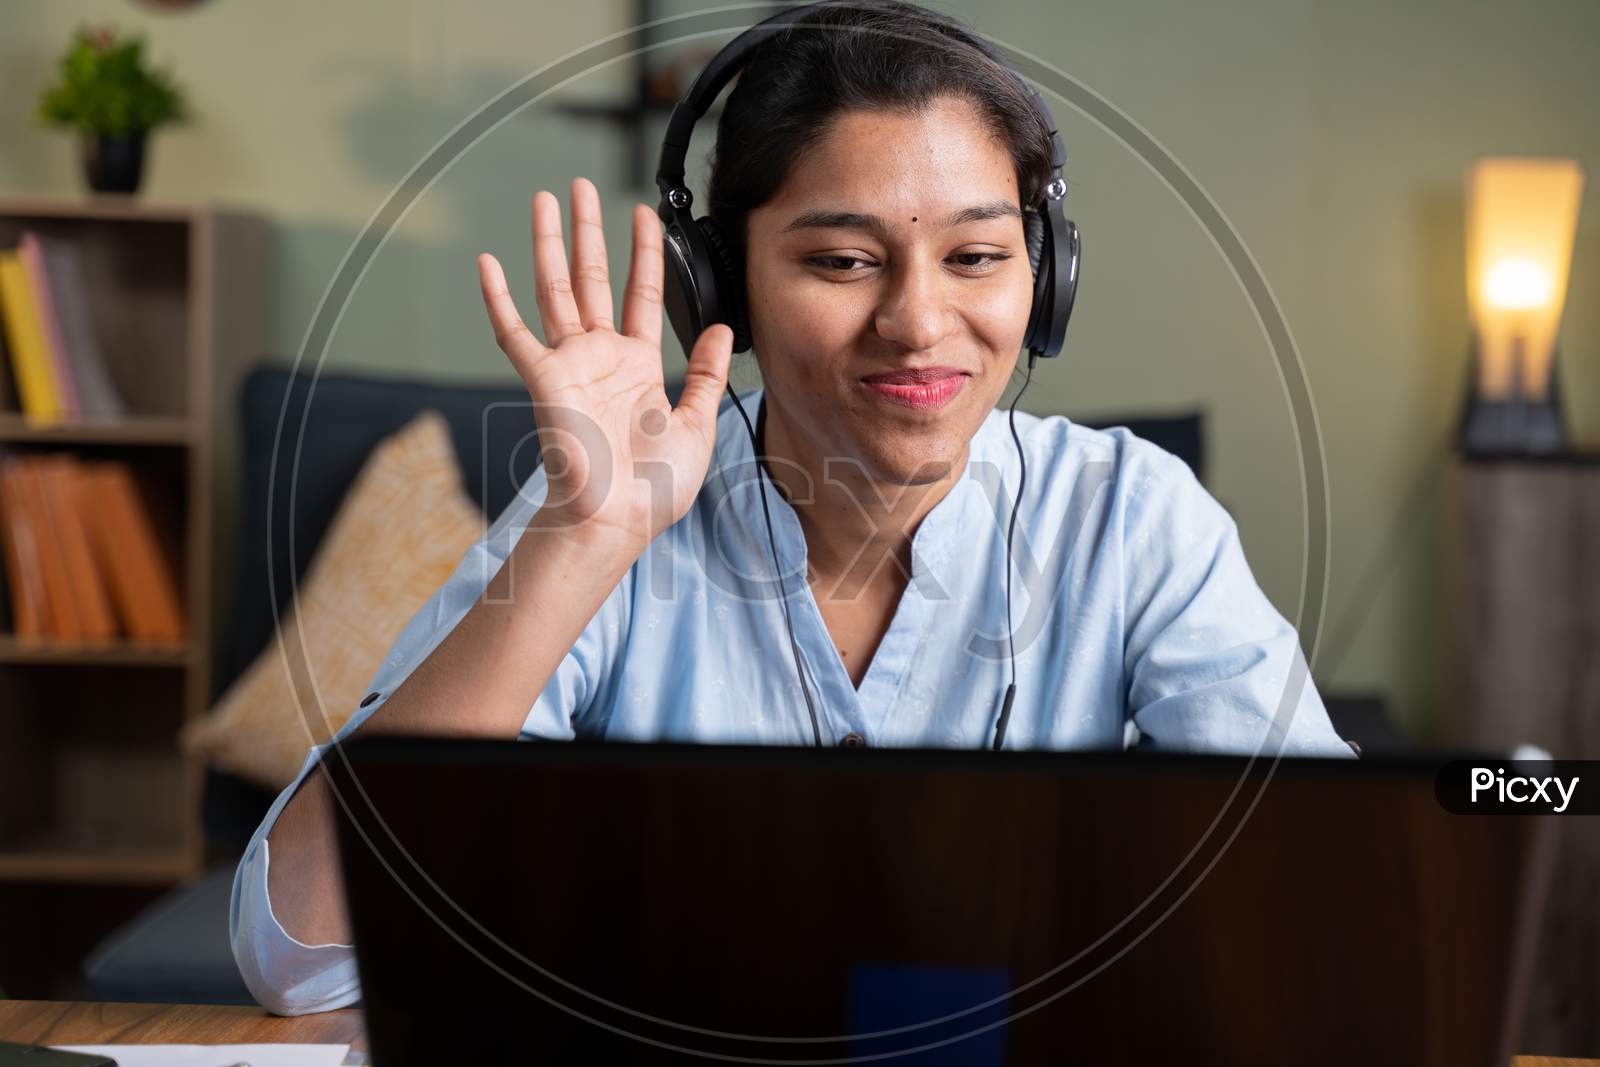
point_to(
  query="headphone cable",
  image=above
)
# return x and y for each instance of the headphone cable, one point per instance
(772, 541)
(1004, 718)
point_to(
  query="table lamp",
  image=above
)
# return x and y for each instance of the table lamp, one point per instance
(1522, 214)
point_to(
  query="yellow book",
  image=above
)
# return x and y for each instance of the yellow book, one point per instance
(30, 357)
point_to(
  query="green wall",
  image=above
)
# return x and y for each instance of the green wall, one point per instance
(1333, 136)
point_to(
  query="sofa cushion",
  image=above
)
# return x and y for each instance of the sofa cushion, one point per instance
(399, 534)
(303, 437)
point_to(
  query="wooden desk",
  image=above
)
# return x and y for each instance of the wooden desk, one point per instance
(45, 1022)
(48, 1022)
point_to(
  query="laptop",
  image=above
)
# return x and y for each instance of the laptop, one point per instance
(622, 903)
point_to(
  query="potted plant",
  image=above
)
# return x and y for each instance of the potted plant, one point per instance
(106, 92)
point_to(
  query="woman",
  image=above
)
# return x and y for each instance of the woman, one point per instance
(874, 183)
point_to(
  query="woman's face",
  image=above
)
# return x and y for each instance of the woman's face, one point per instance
(895, 246)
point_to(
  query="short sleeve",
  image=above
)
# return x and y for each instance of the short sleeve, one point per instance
(291, 978)
(1210, 664)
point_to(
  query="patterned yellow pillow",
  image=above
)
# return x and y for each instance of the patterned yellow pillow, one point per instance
(399, 534)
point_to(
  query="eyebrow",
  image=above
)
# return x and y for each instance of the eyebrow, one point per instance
(855, 220)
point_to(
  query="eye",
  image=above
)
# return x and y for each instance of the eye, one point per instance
(833, 263)
(988, 260)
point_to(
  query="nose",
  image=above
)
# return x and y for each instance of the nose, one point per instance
(915, 311)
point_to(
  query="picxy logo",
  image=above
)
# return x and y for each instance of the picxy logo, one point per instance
(1522, 790)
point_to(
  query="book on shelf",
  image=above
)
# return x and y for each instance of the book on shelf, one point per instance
(55, 352)
(36, 387)
(97, 394)
(60, 606)
(122, 532)
(83, 559)
(23, 578)
(44, 306)
(60, 479)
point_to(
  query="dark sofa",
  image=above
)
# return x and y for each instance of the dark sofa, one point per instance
(177, 950)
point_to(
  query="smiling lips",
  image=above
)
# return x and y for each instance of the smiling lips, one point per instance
(922, 388)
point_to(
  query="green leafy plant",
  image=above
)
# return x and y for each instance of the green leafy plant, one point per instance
(105, 88)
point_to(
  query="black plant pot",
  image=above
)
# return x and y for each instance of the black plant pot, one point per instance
(114, 163)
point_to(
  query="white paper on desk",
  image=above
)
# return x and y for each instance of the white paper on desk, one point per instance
(217, 1055)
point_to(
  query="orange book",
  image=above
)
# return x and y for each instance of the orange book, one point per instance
(127, 549)
(64, 621)
(29, 609)
(59, 476)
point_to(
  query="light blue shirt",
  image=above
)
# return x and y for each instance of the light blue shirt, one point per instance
(1136, 620)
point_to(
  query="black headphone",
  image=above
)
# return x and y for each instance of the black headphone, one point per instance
(705, 279)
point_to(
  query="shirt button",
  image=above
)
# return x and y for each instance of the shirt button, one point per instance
(369, 699)
(852, 740)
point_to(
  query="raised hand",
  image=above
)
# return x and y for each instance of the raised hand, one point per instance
(622, 462)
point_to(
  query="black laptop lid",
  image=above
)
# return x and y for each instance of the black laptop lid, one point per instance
(618, 903)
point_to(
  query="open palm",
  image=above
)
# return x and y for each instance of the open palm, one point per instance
(622, 462)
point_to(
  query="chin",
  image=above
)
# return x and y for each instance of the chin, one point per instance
(912, 457)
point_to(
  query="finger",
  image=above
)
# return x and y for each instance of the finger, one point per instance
(591, 279)
(641, 301)
(706, 378)
(557, 310)
(513, 336)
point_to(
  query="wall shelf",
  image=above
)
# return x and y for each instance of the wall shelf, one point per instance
(137, 430)
(119, 653)
(129, 866)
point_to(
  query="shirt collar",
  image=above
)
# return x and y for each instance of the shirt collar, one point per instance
(961, 510)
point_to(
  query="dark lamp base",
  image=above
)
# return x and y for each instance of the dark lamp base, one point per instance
(1512, 427)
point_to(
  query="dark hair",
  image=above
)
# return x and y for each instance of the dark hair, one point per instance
(860, 55)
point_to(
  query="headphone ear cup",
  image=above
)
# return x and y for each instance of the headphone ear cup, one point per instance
(681, 288)
(1033, 235)
(730, 281)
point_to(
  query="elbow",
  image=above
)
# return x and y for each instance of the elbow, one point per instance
(285, 976)
(287, 984)
(297, 999)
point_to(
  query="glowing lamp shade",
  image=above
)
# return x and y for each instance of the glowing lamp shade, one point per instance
(1522, 213)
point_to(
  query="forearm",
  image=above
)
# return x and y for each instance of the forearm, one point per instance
(479, 681)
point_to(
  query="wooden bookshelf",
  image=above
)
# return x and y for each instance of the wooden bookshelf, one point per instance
(53, 861)
(93, 788)
(102, 653)
(134, 430)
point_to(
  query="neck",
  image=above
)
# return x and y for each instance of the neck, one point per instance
(853, 523)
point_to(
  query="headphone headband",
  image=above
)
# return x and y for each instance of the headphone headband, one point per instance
(711, 81)
(727, 63)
